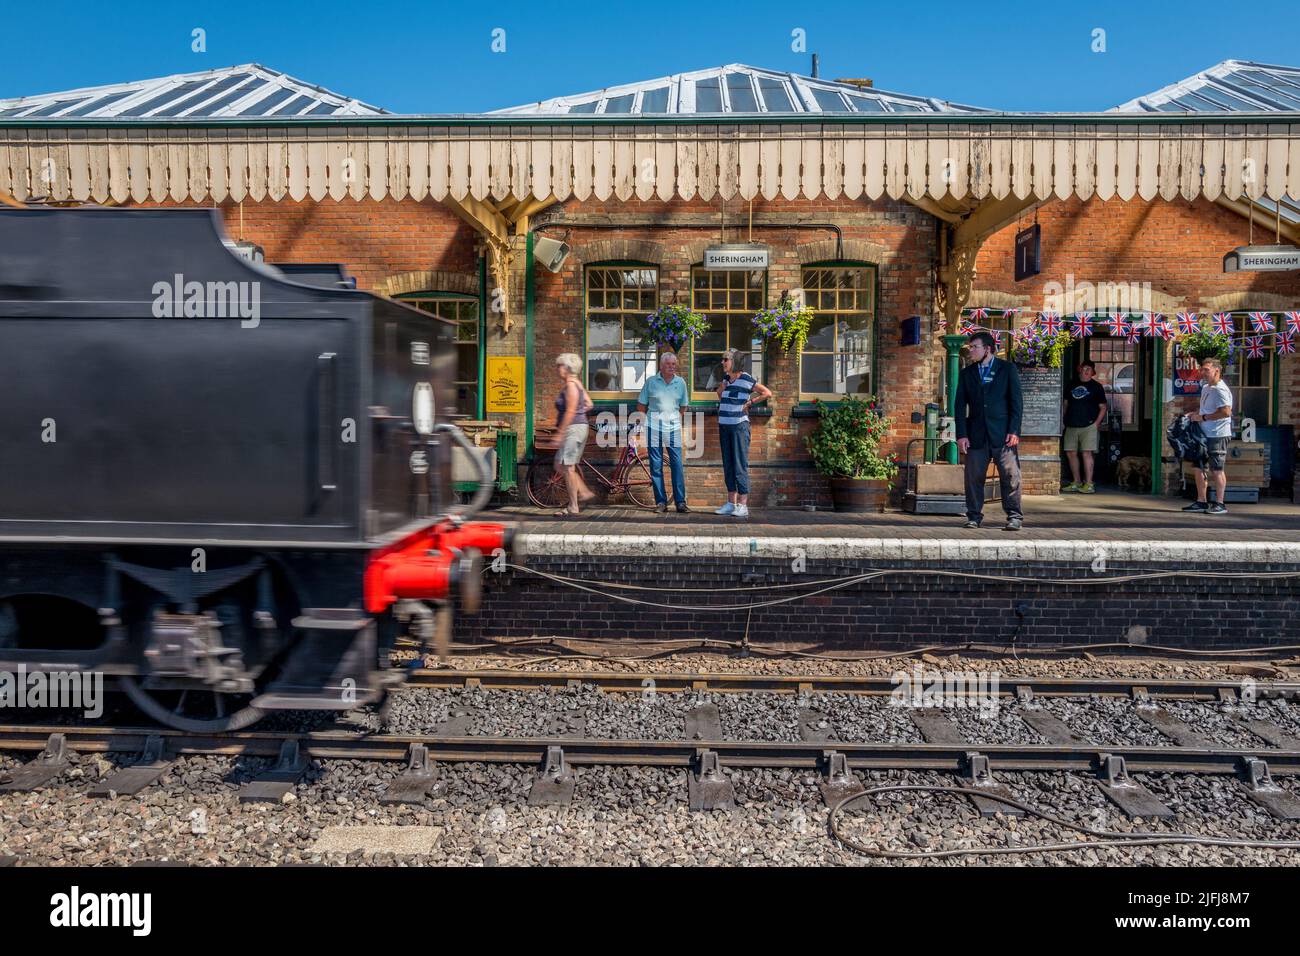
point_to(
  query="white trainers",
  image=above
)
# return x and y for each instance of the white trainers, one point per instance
(726, 509)
(742, 511)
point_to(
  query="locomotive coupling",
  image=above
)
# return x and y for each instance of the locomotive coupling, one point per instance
(434, 564)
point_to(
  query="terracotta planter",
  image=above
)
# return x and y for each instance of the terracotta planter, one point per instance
(859, 495)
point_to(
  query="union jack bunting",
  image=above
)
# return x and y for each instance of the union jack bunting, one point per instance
(1223, 322)
(965, 328)
(1082, 324)
(997, 338)
(1118, 325)
(1133, 337)
(1261, 322)
(1050, 322)
(1147, 326)
(979, 315)
(1188, 322)
(1293, 322)
(1255, 346)
(1286, 343)
(1010, 313)
(1164, 329)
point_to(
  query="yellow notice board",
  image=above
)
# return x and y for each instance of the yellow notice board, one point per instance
(505, 383)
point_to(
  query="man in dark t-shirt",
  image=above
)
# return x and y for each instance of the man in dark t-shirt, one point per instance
(1084, 409)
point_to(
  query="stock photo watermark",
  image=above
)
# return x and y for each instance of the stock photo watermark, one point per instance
(53, 690)
(968, 690)
(616, 428)
(1075, 295)
(75, 908)
(178, 298)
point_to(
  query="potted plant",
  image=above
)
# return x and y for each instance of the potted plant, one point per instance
(674, 325)
(785, 323)
(846, 449)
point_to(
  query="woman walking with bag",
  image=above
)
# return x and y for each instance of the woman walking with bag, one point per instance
(571, 407)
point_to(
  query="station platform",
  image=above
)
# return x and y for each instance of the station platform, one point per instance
(1146, 527)
(1114, 567)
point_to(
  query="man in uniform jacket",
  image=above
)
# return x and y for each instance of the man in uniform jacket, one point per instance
(989, 407)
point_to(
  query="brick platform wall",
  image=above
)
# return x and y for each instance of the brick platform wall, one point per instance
(891, 612)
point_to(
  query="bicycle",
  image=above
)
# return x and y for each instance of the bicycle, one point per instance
(630, 478)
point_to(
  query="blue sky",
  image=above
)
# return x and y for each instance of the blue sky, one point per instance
(437, 57)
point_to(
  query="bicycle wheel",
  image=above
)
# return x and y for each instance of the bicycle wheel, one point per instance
(638, 488)
(546, 487)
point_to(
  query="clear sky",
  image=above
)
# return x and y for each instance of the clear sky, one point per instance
(434, 57)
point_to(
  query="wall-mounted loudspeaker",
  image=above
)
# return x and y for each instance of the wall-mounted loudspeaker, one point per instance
(550, 253)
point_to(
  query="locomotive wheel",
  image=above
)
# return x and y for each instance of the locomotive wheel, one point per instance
(546, 487)
(194, 711)
(639, 489)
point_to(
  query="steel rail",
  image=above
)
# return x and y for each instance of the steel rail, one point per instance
(661, 753)
(661, 682)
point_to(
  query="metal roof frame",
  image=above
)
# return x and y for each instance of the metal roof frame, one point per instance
(235, 92)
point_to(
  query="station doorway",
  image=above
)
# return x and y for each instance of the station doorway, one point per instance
(1126, 370)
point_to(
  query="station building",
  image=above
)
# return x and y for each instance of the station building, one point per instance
(894, 216)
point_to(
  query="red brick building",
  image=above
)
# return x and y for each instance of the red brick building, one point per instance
(868, 203)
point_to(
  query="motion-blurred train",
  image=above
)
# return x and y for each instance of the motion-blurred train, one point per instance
(224, 486)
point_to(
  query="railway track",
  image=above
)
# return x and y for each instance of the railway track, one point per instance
(1145, 783)
(1224, 689)
(704, 750)
(339, 745)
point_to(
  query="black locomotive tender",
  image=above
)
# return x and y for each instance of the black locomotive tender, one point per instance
(224, 488)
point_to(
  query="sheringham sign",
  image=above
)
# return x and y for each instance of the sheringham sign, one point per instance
(735, 256)
(1262, 259)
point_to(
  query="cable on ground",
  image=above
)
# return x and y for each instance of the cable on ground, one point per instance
(1106, 837)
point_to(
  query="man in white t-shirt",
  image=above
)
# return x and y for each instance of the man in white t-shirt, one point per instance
(1215, 417)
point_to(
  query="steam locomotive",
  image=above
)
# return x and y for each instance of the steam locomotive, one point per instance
(224, 486)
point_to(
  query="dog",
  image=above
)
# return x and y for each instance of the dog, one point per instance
(1133, 473)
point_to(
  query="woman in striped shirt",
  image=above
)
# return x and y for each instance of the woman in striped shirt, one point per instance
(737, 391)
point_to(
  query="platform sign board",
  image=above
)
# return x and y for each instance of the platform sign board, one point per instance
(1041, 388)
(505, 383)
(1278, 258)
(1028, 251)
(1187, 373)
(731, 257)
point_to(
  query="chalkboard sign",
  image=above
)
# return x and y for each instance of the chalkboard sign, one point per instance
(1042, 392)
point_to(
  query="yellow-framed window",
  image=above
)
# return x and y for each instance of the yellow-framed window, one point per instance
(1251, 379)
(619, 356)
(729, 300)
(838, 358)
(463, 310)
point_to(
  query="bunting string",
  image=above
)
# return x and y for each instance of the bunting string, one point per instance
(1256, 332)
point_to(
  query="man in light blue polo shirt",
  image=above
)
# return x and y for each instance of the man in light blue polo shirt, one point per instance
(664, 399)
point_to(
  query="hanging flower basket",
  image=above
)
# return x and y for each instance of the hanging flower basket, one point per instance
(786, 324)
(675, 325)
(1033, 347)
(1204, 343)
